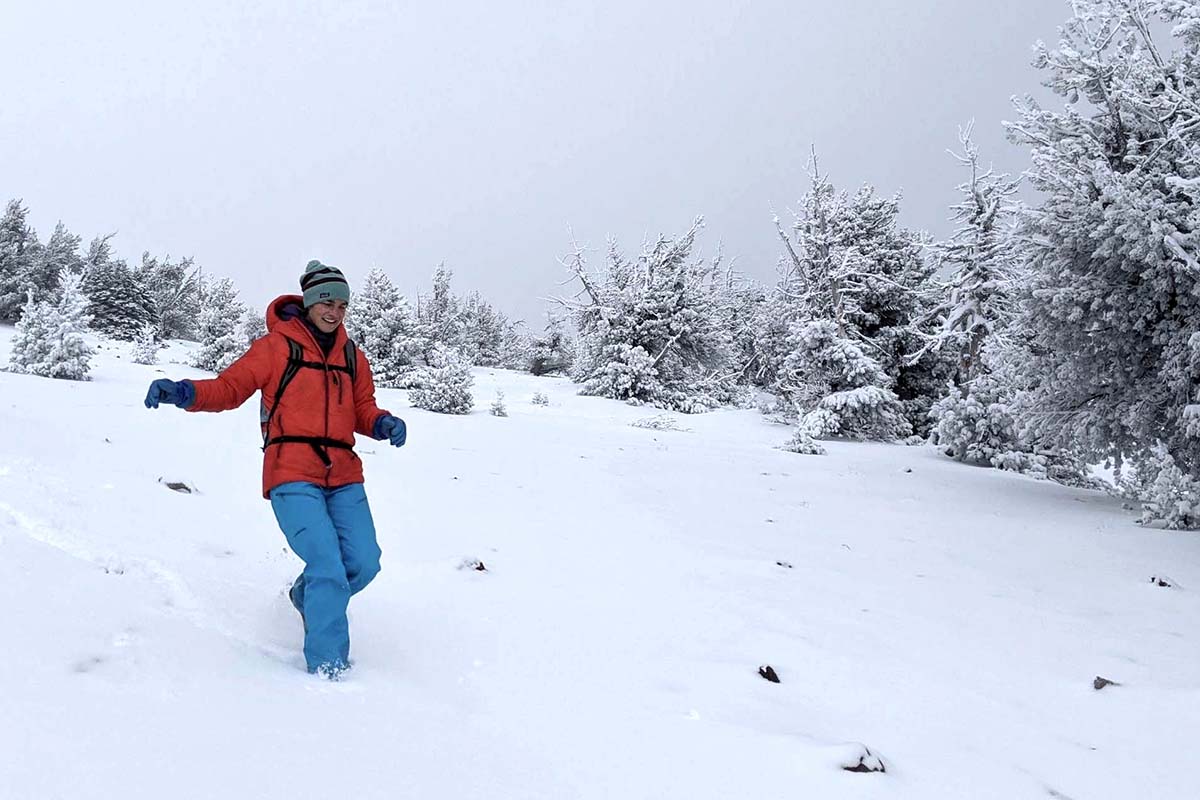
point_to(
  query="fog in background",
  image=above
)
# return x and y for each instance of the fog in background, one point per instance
(257, 136)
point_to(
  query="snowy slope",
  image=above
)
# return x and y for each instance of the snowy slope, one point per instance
(949, 618)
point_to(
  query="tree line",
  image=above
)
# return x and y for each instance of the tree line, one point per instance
(1045, 337)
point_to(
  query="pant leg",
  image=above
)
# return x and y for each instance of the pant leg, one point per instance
(303, 515)
(351, 515)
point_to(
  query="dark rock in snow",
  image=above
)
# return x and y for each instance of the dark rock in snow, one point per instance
(783, 564)
(768, 672)
(866, 761)
(1100, 683)
(473, 563)
(178, 486)
(1162, 581)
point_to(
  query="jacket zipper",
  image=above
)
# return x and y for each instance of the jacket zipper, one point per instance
(325, 362)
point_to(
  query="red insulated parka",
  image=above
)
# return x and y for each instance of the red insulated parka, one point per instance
(310, 433)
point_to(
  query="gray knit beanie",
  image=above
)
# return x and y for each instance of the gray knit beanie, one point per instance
(321, 282)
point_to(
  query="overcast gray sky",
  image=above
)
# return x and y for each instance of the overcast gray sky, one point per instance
(256, 135)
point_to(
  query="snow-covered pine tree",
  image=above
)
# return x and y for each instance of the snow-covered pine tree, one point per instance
(173, 289)
(837, 389)
(445, 385)
(118, 302)
(49, 336)
(19, 248)
(59, 255)
(742, 302)
(254, 326)
(1113, 308)
(553, 351)
(514, 346)
(650, 329)
(982, 263)
(382, 324)
(145, 347)
(482, 331)
(498, 409)
(889, 290)
(62, 253)
(31, 339)
(976, 421)
(222, 339)
(847, 261)
(440, 315)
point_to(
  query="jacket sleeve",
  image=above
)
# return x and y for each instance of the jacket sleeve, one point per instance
(236, 382)
(366, 413)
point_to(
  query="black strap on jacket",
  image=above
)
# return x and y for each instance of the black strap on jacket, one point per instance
(295, 363)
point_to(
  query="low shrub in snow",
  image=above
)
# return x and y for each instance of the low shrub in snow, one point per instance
(1169, 497)
(837, 389)
(145, 347)
(659, 422)
(498, 409)
(865, 412)
(980, 427)
(445, 386)
(540, 399)
(976, 427)
(804, 444)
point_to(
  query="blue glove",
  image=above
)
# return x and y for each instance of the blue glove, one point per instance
(181, 394)
(391, 428)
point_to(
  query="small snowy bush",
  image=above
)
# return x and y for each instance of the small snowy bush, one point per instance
(445, 386)
(865, 412)
(804, 444)
(659, 422)
(498, 409)
(145, 347)
(980, 427)
(624, 372)
(1168, 496)
(837, 389)
(540, 399)
(977, 427)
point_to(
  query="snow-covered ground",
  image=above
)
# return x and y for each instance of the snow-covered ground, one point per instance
(950, 619)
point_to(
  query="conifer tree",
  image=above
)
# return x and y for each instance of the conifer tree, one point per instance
(650, 329)
(382, 324)
(173, 291)
(118, 302)
(49, 337)
(440, 315)
(1112, 311)
(553, 351)
(222, 338)
(848, 262)
(19, 249)
(981, 259)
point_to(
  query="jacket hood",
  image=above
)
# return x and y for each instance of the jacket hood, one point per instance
(283, 309)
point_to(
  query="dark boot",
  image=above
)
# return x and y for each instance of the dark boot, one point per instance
(295, 595)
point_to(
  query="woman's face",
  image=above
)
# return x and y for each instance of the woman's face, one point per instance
(327, 314)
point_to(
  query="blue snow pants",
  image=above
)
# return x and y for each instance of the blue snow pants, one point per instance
(332, 531)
